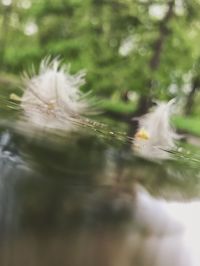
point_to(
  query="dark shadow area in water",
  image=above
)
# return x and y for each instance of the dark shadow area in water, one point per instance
(71, 200)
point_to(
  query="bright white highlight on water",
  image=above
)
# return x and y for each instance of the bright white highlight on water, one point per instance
(173, 231)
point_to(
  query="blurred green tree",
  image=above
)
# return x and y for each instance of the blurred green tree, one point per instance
(133, 51)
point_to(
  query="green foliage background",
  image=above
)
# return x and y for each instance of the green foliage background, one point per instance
(113, 40)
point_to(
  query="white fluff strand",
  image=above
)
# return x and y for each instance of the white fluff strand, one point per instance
(53, 96)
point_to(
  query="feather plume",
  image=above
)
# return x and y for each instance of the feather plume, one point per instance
(155, 135)
(53, 97)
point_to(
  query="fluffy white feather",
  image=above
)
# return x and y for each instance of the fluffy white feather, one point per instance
(53, 97)
(155, 134)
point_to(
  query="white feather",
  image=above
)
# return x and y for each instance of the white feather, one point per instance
(53, 97)
(161, 135)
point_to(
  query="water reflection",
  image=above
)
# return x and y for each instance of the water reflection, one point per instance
(81, 199)
(171, 229)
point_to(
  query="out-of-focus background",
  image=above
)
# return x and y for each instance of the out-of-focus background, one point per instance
(81, 197)
(134, 51)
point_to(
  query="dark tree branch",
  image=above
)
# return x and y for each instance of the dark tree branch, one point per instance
(155, 60)
(190, 98)
(163, 32)
(145, 101)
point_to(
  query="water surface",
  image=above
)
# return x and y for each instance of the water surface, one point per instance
(84, 198)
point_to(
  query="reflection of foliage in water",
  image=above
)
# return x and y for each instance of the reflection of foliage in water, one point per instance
(86, 177)
(79, 186)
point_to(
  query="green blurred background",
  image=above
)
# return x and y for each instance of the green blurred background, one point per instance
(134, 51)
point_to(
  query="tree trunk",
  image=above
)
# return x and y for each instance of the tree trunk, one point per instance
(145, 101)
(163, 32)
(190, 99)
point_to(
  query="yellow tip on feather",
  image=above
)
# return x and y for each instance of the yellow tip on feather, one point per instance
(15, 97)
(142, 134)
